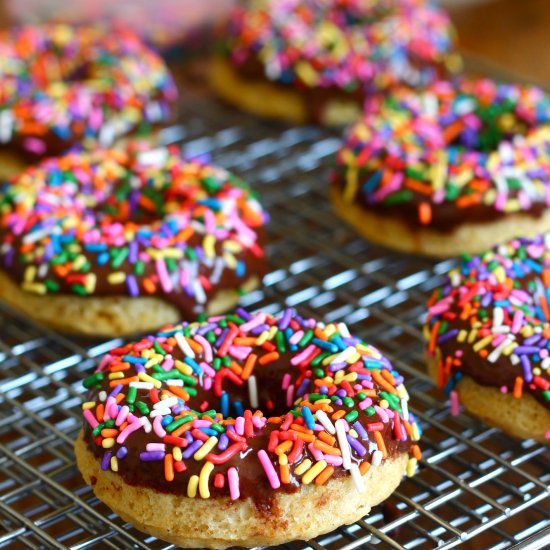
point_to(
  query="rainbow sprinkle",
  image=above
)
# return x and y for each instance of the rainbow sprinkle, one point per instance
(456, 150)
(180, 403)
(348, 45)
(491, 321)
(123, 222)
(62, 85)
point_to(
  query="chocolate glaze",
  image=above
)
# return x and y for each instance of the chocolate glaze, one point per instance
(253, 481)
(446, 216)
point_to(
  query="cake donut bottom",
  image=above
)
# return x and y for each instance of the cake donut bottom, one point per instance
(275, 101)
(220, 522)
(523, 418)
(105, 316)
(470, 238)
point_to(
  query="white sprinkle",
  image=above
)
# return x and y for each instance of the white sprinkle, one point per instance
(325, 422)
(405, 409)
(147, 426)
(200, 295)
(6, 125)
(166, 403)
(142, 385)
(174, 382)
(102, 396)
(357, 478)
(344, 355)
(253, 392)
(376, 458)
(343, 329)
(343, 444)
(183, 345)
(160, 412)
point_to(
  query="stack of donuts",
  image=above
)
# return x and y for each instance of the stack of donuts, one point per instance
(226, 427)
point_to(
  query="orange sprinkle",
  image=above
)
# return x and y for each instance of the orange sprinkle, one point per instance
(418, 186)
(327, 449)
(168, 467)
(424, 213)
(326, 438)
(338, 414)
(179, 392)
(120, 367)
(377, 377)
(123, 381)
(299, 428)
(109, 432)
(268, 358)
(364, 467)
(308, 438)
(195, 346)
(182, 429)
(249, 366)
(100, 411)
(388, 376)
(285, 473)
(518, 387)
(433, 336)
(284, 447)
(324, 476)
(236, 368)
(467, 200)
(380, 443)
(416, 452)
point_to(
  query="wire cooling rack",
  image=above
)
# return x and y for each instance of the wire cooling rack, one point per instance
(475, 486)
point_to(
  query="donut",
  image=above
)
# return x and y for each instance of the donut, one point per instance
(245, 430)
(62, 86)
(116, 241)
(449, 170)
(315, 61)
(488, 333)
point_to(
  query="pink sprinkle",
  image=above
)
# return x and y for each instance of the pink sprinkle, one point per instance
(317, 454)
(296, 337)
(303, 355)
(207, 348)
(256, 321)
(35, 145)
(164, 278)
(382, 414)
(122, 415)
(334, 460)
(289, 395)
(365, 404)
(233, 482)
(207, 383)
(455, 403)
(157, 426)
(518, 319)
(239, 425)
(269, 469)
(201, 424)
(92, 421)
(155, 447)
(547, 434)
(122, 436)
(208, 369)
(259, 421)
(286, 381)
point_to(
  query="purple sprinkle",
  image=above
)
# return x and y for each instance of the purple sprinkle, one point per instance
(193, 448)
(361, 451)
(116, 390)
(526, 364)
(148, 456)
(223, 443)
(360, 430)
(243, 314)
(285, 319)
(106, 461)
(303, 387)
(122, 452)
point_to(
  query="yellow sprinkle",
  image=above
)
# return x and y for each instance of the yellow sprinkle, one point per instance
(208, 245)
(79, 262)
(90, 283)
(500, 274)
(114, 464)
(144, 377)
(384, 404)
(272, 332)
(352, 432)
(482, 343)
(472, 336)
(230, 260)
(353, 358)
(177, 454)
(116, 375)
(352, 184)
(116, 278)
(303, 467)
(30, 274)
(411, 467)
(313, 472)
(330, 330)
(350, 376)
(208, 445)
(88, 405)
(462, 336)
(204, 478)
(108, 442)
(232, 246)
(415, 433)
(34, 288)
(192, 486)
(151, 362)
(262, 338)
(182, 367)
(283, 459)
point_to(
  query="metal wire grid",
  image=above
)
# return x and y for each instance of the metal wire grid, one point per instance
(475, 485)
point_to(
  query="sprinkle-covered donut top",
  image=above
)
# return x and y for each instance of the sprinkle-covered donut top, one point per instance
(348, 44)
(113, 222)
(242, 404)
(491, 320)
(456, 152)
(60, 85)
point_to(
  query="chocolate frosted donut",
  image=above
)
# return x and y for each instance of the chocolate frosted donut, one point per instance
(63, 85)
(452, 169)
(245, 430)
(488, 329)
(112, 242)
(316, 61)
